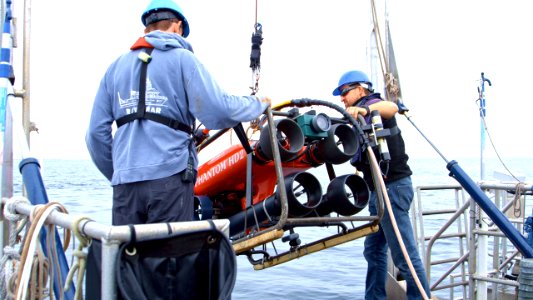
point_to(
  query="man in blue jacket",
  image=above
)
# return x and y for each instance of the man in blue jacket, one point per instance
(154, 93)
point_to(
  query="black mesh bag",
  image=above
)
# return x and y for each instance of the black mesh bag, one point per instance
(192, 265)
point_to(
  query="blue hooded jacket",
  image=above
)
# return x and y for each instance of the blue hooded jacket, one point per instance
(179, 87)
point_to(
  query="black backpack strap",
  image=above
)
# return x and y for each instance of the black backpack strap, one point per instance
(174, 124)
(141, 105)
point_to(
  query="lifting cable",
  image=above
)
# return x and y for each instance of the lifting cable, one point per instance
(392, 84)
(379, 43)
(255, 65)
(255, 55)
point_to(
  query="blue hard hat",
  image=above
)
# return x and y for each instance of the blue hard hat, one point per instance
(160, 7)
(351, 77)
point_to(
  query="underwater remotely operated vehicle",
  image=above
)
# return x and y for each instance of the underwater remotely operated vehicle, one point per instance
(265, 188)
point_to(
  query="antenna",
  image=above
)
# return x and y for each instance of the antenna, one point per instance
(482, 115)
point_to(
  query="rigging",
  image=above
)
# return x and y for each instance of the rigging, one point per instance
(255, 55)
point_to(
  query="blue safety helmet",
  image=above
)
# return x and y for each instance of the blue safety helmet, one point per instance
(159, 10)
(352, 77)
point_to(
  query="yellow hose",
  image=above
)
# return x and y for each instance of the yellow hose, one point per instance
(282, 105)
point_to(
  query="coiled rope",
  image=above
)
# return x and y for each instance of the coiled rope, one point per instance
(26, 274)
(11, 259)
(27, 259)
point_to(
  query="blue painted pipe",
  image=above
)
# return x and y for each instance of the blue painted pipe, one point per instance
(518, 240)
(31, 174)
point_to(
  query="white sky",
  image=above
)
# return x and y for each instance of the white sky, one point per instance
(441, 49)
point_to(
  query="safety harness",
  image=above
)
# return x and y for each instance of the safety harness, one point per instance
(141, 105)
(370, 99)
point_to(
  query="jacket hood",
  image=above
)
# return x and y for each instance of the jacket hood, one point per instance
(167, 41)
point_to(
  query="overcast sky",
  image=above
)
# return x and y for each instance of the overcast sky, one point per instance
(441, 49)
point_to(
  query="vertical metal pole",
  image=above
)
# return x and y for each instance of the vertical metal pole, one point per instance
(472, 246)
(6, 147)
(482, 256)
(26, 70)
(482, 239)
(482, 114)
(109, 257)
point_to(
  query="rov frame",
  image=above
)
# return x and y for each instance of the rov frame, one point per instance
(248, 242)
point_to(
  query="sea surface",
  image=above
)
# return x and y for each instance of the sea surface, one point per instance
(335, 273)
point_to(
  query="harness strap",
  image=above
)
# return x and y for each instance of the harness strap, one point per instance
(141, 105)
(174, 124)
(394, 130)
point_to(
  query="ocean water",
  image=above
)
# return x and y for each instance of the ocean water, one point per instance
(335, 273)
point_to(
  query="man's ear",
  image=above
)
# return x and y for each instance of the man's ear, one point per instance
(179, 27)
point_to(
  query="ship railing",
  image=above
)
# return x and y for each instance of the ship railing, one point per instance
(464, 225)
(113, 236)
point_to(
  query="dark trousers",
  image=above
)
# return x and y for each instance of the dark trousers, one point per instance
(153, 201)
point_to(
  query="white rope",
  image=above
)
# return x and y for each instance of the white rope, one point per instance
(266, 211)
(26, 272)
(8, 268)
(10, 211)
(10, 260)
(78, 268)
(388, 205)
(11, 214)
